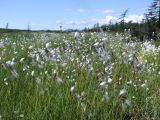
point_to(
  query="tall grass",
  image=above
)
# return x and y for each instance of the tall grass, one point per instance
(78, 76)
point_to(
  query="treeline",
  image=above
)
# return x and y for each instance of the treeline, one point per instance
(148, 28)
(4, 30)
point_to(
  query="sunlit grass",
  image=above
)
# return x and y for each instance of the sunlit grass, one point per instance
(78, 76)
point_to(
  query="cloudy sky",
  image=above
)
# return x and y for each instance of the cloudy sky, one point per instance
(50, 14)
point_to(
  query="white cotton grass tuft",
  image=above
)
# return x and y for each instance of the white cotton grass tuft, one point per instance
(143, 85)
(6, 83)
(37, 58)
(1, 45)
(48, 45)
(72, 88)
(46, 72)
(103, 84)
(21, 60)
(76, 34)
(10, 63)
(32, 73)
(122, 92)
(30, 47)
(109, 80)
(59, 80)
(106, 96)
(21, 115)
(96, 44)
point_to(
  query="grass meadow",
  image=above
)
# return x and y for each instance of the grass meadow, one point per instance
(78, 76)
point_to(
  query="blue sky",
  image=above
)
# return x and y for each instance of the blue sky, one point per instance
(50, 14)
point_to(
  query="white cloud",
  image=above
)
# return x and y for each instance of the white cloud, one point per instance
(89, 23)
(83, 10)
(110, 19)
(134, 18)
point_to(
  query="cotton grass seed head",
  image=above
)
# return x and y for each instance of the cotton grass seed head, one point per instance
(122, 92)
(103, 83)
(72, 88)
(21, 60)
(109, 80)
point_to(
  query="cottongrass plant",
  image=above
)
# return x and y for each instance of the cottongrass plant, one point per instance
(78, 76)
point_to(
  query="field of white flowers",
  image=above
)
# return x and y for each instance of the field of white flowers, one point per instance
(78, 76)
